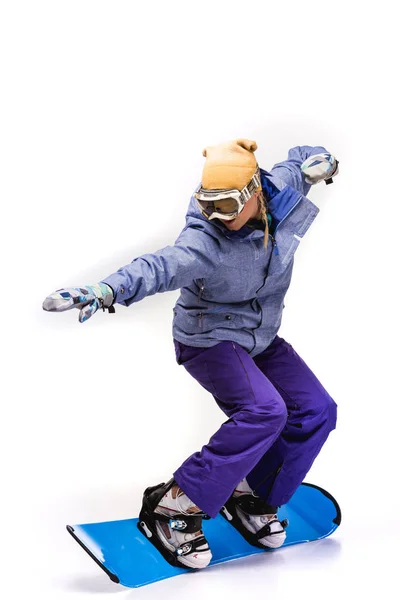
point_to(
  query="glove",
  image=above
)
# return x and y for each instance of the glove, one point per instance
(88, 299)
(320, 167)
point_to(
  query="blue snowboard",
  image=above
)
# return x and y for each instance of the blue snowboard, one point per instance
(126, 555)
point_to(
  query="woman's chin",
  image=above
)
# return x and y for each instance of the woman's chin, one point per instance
(231, 224)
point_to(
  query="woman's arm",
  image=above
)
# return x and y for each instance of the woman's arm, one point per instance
(290, 170)
(193, 255)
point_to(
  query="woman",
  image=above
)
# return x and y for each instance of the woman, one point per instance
(233, 264)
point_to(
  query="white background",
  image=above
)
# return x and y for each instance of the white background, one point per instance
(105, 110)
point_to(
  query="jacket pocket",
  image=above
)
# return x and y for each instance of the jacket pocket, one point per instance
(187, 319)
(210, 320)
(197, 320)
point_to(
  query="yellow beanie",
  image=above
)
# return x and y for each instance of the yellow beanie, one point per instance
(229, 165)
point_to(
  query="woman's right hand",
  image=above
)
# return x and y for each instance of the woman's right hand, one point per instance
(88, 299)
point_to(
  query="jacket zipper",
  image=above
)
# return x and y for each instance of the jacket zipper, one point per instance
(201, 291)
(274, 244)
(256, 299)
(276, 252)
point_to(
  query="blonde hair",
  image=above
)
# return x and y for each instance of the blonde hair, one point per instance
(263, 207)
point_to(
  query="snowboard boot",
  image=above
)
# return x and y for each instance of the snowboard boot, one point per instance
(173, 524)
(256, 520)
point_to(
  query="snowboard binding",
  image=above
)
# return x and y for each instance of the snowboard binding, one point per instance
(181, 522)
(252, 505)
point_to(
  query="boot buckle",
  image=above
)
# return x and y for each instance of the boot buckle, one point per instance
(185, 549)
(177, 524)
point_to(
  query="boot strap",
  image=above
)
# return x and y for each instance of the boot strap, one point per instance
(266, 530)
(254, 505)
(181, 522)
(192, 546)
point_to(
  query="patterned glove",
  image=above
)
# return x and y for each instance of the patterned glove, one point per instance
(88, 299)
(320, 167)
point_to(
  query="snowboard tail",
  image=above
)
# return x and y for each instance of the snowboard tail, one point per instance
(122, 550)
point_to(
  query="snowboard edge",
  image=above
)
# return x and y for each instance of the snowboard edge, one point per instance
(111, 575)
(338, 519)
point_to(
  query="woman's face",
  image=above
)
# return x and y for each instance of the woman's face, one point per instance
(250, 211)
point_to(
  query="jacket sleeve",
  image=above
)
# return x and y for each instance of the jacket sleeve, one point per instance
(193, 255)
(289, 170)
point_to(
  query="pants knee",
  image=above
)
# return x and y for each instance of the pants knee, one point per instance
(276, 411)
(330, 412)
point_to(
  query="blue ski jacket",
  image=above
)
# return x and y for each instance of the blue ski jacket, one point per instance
(232, 288)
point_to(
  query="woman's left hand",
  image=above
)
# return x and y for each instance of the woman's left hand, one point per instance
(320, 167)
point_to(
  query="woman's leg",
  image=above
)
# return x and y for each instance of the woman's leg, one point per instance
(311, 417)
(257, 415)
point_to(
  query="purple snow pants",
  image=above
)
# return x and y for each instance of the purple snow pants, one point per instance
(279, 417)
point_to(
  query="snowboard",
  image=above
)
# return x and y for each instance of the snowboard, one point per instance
(123, 551)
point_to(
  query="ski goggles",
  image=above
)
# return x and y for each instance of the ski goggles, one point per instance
(226, 204)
